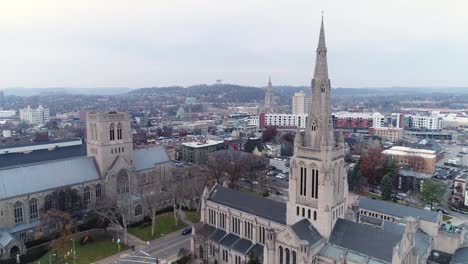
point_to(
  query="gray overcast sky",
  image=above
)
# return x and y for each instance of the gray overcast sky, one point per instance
(138, 43)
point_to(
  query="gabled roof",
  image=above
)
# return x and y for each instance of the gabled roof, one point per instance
(37, 177)
(371, 241)
(148, 158)
(397, 210)
(5, 238)
(17, 159)
(306, 231)
(259, 206)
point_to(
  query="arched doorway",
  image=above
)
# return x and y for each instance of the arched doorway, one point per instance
(15, 250)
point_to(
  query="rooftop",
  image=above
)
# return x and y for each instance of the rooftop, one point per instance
(199, 144)
(249, 203)
(398, 210)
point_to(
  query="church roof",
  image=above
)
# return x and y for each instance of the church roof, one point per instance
(259, 206)
(306, 231)
(17, 159)
(397, 210)
(16, 181)
(147, 158)
(460, 256)
(366, 239)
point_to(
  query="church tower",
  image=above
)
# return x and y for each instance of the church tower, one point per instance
(269, 105)
(317, 179)
(109, 136)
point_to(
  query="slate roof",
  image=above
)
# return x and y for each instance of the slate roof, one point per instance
(371, 241)
(16, 181)
(243, 245)
(306, 231)
(147, 158)
(256, 250)
(397, 210)
(17, 159)
(217, 235)
(229, 240)
(259, 206)
(460, 256)
(5, 238)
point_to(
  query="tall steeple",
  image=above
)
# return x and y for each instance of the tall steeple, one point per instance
(319, 130)
(269, 99)
(317, 176)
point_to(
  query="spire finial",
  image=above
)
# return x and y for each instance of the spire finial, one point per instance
(321, 43)
(269, 79)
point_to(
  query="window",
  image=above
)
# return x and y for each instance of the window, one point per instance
(225, 255)
(261, 234)
(248, 228)
(33, 213)
(303, 212)
(22, 235)
(98, 191)
(138, 210)
(18, 211)
(297, 210)
(315, 215)
(286, 251)
(119, 131)
(314, 192)
(87, 196)
(122, 182)
(48, 202)
(238, 260)
(294, 257)
(281, 255)
(308, 213)
(112, 132)
(235, 226)
(222, 220)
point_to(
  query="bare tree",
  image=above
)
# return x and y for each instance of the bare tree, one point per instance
(152, 202)
(116, 212)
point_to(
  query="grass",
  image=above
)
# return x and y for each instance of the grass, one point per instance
(100, 248)
(165, 224)
(446, 217)
(193, 216)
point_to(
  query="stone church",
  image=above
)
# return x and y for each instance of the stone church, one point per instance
(107, 168)
(317, 224)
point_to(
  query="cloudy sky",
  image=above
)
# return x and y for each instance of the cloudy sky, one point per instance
(138, 43)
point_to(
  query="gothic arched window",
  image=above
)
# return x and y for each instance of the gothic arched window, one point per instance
(87, 195)
(122, 182)
(48, 202)
(33, 212)
(294, 261)
(18, 212)
(98, 190)
(281, 255)
(138, 210)
(112, 131)
(315, 215)
(119, 131)
(287, 255)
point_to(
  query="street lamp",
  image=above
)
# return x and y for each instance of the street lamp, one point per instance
(50, 258)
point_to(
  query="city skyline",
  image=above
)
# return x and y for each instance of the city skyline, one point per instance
(87, 44)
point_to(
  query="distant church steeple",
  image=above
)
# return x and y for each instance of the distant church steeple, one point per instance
(269, 106)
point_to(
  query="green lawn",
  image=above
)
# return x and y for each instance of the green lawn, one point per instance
(100, 248)
(193, 216)
(446, 217)
(165, 224)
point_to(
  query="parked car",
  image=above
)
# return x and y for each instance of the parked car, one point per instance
(187, 231)
(442, 210)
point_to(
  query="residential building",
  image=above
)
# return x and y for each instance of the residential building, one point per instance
(389, 133)
(196, 152)
(360, 120)
(301, 103)
(421, 160)
(283, 120)
(38, 116)
(315, 225)
(397, 120)
(7, 113)
(424, 122)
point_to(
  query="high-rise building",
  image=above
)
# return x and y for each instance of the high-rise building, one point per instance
(38, 116)
(301, 103)
(269, 105)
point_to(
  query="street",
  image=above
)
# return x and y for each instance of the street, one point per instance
(164, 249)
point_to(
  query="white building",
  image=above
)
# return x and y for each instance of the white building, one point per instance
(36, 116)
(7, 113)
(301, 103)
(283, 120)
(377, 119)
(428, 122)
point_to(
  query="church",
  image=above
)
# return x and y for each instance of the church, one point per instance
(103, 169)
(317, 224)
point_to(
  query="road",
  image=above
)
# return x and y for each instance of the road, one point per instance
(164, 249)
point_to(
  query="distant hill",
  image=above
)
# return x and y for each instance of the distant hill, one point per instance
(58, 90)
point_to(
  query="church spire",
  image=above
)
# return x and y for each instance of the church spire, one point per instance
(319, 130)
(269, 99)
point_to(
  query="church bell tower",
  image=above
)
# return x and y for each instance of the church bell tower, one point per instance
(317, 179)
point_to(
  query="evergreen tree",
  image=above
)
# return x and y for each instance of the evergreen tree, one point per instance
(432, 192)
(386, 186)
(249, 146)
(354, 178)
